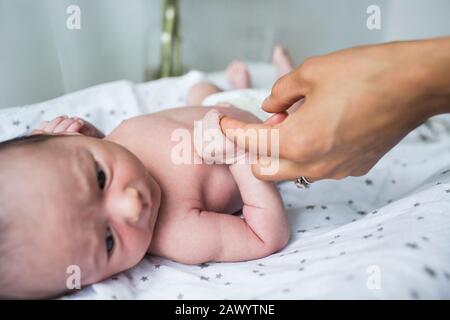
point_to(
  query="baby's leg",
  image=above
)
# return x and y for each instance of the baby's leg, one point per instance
(282, 61)
(237, 75)
(199, 91)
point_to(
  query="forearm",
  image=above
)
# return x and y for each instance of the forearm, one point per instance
(430, 65)
(263, 207)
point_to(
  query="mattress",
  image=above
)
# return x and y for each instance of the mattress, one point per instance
(381, 236)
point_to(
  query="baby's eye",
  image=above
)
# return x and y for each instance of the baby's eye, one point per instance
(109, 241)
(101, 178)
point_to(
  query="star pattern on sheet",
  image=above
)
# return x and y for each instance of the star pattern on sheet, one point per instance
(431, 272)
(412, 245)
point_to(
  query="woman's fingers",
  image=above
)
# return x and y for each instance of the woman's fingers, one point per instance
(280, 169)
(285, 92)
(256, 138)
(276, 118)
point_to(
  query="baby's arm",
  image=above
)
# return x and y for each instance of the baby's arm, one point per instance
(199, 236)
(263, 209)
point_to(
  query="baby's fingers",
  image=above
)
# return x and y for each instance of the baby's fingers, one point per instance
(68, 125)
(50, 126)
(41, 126)
(75, 126)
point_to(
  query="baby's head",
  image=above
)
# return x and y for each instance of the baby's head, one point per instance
(70, 200)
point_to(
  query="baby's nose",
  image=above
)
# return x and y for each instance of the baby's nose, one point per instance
(131, 205)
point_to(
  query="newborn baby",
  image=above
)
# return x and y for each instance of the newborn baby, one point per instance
(72, 196)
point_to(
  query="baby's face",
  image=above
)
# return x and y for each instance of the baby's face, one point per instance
(97, 206)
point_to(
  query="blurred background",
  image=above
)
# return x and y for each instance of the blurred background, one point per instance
(40, 58)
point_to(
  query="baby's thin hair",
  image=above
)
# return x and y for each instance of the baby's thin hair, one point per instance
(25, 139)
(6, 217)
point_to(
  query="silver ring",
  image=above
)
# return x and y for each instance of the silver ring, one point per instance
(302, 182)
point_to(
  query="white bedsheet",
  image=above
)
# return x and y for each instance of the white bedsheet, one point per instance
(384, 235)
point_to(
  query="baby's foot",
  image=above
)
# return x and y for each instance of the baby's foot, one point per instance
(238, 75)
(282, 60)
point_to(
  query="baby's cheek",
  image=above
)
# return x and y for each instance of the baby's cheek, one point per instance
(135, 243)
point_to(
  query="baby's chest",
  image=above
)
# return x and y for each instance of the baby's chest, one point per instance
(208, 187)
(166, 149)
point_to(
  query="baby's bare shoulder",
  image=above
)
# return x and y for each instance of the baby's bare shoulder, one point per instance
(189, 114)
(185, 116)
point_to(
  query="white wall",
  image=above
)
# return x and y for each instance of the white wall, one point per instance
(119, 39)
(40, 58)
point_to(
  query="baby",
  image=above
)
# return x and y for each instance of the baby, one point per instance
(72, 196)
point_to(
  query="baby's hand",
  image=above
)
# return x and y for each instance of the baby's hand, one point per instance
(64, 124)
(210, 143)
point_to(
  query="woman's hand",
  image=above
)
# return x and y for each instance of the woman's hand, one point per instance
(358, 104)
(68, 125)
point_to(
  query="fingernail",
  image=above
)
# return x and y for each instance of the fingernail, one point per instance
(220, 123)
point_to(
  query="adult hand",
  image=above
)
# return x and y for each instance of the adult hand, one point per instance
(358, 104)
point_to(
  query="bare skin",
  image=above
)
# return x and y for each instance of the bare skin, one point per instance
(358, 104)
(145, 203)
